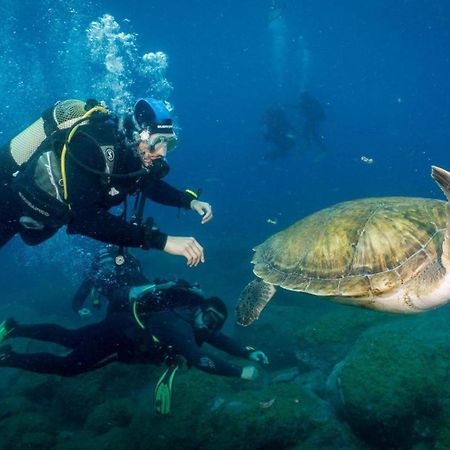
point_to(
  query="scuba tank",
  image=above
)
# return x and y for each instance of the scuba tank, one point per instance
(60, 116)
(37, 161)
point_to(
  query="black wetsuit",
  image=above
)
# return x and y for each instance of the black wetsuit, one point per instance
(90, 195)
(112, 283)
(10, 205)
(118, 338)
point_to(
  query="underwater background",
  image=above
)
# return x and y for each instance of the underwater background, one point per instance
(340, 377)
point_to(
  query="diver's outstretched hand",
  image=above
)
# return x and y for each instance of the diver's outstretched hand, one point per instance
(202, 208)
(187, 247)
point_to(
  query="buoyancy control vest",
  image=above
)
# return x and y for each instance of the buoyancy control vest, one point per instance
(40, 181)
(163, 295)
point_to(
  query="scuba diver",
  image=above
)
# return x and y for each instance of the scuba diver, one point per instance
(78, 161)
(116, 276)
(312, 114)
(112, 273)
(163, 325)
(278, 132)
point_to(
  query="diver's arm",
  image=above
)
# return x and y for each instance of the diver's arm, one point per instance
(180, 337)
(165, 194)
(228, 345)
(82, 293)
(99, 224)
(206, 362)
(216, 366)
(89, 210)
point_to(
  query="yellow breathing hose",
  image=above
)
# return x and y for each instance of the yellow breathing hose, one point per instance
(86, 116)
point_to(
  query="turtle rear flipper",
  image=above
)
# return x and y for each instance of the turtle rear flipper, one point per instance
(442, 178)
(252, 301)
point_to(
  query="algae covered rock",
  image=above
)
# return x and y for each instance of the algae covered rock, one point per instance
(278, 416)
(395, 380)
(194, 394)
(221, 413)
(15, 404)
(37, 440)
(108, 415)
(114, 439)
(33, 427)
(330, 337)
(78, 396)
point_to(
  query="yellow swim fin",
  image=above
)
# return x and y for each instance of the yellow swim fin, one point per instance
(163, 391)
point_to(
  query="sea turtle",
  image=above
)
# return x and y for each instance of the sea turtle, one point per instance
(388, 254)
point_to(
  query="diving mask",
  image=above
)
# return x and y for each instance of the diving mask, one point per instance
(210, 319)
(153, 139)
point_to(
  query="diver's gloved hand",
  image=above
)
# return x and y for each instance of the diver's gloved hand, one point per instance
(249, 373)
(84, 313)
(202, 208)
(258, 356)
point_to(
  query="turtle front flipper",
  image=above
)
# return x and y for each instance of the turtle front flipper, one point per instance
(252, 301)
(442, 178)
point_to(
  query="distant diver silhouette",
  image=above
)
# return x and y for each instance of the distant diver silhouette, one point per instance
(312, 114)
(278, 132)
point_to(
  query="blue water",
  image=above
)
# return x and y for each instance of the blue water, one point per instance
(381, 69)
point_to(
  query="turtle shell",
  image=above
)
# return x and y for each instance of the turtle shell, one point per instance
(357, 248)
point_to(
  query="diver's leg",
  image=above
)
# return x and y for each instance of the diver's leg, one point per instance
(45, 332)
(83, 359)
(57, 334)
(94, 346)
(102, 332)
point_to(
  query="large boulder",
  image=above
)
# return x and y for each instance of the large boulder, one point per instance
(394, 382)
(278, 416)
(229, 414)
(110, 414)
(35, 429)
